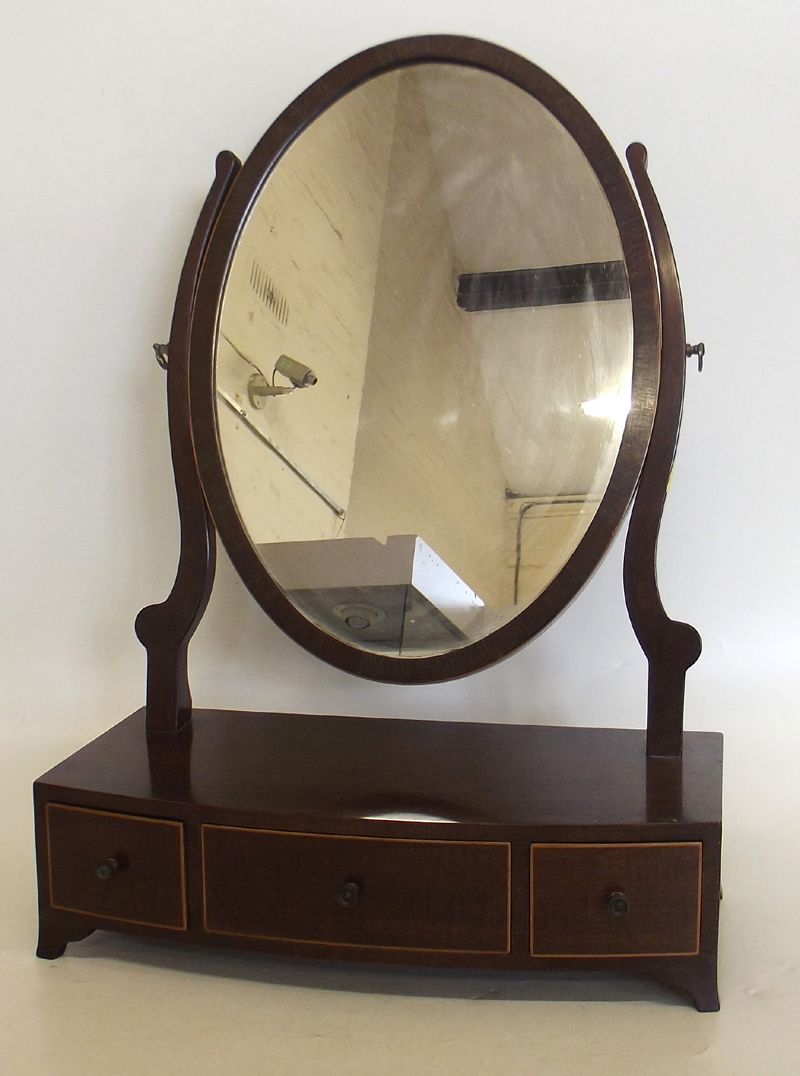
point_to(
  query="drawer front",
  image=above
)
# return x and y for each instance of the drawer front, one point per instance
(438, 896)
(117, 866)
(597, 900)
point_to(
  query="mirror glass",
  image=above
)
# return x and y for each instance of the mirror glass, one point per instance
(424, 359)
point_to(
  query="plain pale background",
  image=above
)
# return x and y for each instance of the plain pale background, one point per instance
(113, 114)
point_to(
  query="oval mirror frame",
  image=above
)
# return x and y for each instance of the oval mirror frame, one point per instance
(644, 300)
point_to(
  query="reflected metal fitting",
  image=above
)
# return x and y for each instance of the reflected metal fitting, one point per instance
(699, 350)
(300, 375)
(360, 617)
(259, 389)
(162, 355)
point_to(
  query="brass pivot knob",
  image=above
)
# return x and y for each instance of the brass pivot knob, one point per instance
(699, 350)
(348, 895)
(617, 905)
(107, 869)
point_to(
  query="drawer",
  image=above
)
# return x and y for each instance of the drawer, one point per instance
(425, 895)
(596, 900)
(116, 866)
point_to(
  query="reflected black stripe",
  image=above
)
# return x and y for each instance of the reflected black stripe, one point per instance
(555, 285)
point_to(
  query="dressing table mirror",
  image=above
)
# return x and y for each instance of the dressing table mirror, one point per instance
(427, 347)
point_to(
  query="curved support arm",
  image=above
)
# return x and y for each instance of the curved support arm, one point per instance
(671, 647)
(165, 629)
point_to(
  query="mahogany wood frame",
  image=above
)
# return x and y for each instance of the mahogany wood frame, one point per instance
(522, 786)
(165, 629)
(525, 785)
(645, 311)
(670, 645)
(200, 476)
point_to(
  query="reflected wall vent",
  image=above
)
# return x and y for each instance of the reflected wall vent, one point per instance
(264, 287)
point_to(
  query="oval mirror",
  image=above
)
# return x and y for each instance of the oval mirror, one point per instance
(424, 359)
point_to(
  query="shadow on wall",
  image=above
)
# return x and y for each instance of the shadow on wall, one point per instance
(359, 979)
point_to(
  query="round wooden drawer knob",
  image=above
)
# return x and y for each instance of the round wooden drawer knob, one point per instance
(348, 895)
(617, 905)
(107, 869)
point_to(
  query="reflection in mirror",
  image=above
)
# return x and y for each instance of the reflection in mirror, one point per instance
(424, 359)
